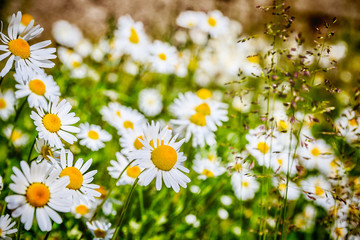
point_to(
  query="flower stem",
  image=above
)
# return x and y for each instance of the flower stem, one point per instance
(109, 192)
(32, 148)
(19, 230)
(121, 218)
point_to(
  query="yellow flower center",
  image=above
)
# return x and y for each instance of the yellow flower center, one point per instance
(76, 64)
(2, 103)
(353, 122)
(118, 113)
(315, 152)
(282, 186)
(19, 47)
(238, 167)
(16, 135)
(133, 172)
(82, 209)
(190, 24)
(99, 233)
(134, 38)
(102, 191)
(93, 135)
(212, 21)
(263, 147)
(338, 232)
(282, 125)
(280, 161)
(51, 122)
(164, 157)
(37, 194)
(245, 184)
(128, 124)
(37, 86)
(204, 109)
(212, 157)
(207, 173)
(46, 151)
(162, 56)
(204, 93)
(198, 119)
(76, 178)
(319, 191)
(26, 19)
(0, 231)
(157, 141)
(254, 59)
(137, 144)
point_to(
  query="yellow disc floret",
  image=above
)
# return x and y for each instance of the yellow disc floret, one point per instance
(198, 119)
(315, 152)
(204, 93)
(51, 122)
(319, 191)
(99, 233)
(93, 135)
(2, 103)
(37, 194)
(134, 38)
(19, 47)
(212, 21)
(162, 56)
(82, 209)
(263, 147)
(37, 86)
(254, 59)
(76, 178)
(133, 172)
(26, 19)
(46, 151)
(204, 109)
(128, 124)
(102, 191)
(137, 144)
(207, 173)
(164, 157)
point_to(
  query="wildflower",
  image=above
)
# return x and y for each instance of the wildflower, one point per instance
(37, 86)
(150, 102)
(190, 19)
(7, 102)
(45, 151)
(348, 125)
(306, 219)
(66, 34)
(215, 23)
(17, 48)
(54, 122)
(80, 186)
(207, 168)
(160, 157)
(292, 189)
(100, 230)
(6, 226)
(84, 209)
(163, 57)
(129, 176)
(92, 136)
(40, 192)
(16, 136)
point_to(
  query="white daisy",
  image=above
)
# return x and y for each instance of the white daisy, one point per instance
(92, 136)
(45, 151)
(339, 231)
(284, 162)
(348, 125)
(100, 230)
(150, 102)
(7, 103)
(37, 86)
(129, 176)
(5, 227)
(244, 186)
(160, 157)
(80, 185)
(317, 188)
(293, 191)
(215, 23)
(112, 113)
(66, 33)
(17, 136)
(17, 48)
(190, 19)
(54, 122)
(84, 209)
(131, 38)
(163, 57)
(306, 219)
(207, 167)
(130, 140)
(38, 191)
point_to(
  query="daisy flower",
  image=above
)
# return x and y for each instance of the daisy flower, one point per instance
(130, 119)
(66, 33)
(160, 157)
(207, 167)
(130, 37)
(129, 176)
(38, 191)
(92, 136)
(100, 230)
(84, 209)
(293, 191)
(348, 125)
(339, 231)
(163, 57)
(215, 23)
(306, 219)
(150, 102)
(80, 185)
(130, 140)
(317, 188)
(45, 151)
(37, 86)
(284, 162)
(7, 102)
(17, 48)
(190, 19)
(17, 137)
(244, 186)
(54, 122)
(5, 227)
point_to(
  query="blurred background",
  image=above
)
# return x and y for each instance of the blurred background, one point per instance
(92, 16)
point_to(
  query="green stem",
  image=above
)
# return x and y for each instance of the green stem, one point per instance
(32, 148)
(47, 235)
(19, 230)
(1, 80)
(141, 199)
(109, 192)
(123, 211)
